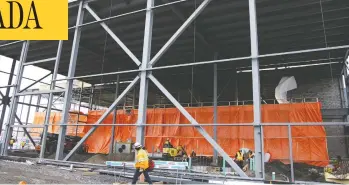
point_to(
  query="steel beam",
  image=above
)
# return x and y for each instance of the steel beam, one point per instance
(111, 146)
(19, 121)
(50, 101)
(215, 84)
(24, 129)
(6, 98)
(202, 131)
(102, 118)
(69, 89)
(14, 102)
(39, 61)
(40, 92)
(32, 84)
(111, 33)
(258, 131)
(144, 82)
(175, 36)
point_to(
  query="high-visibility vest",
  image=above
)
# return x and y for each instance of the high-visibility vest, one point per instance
(239, 156)
(142, 160)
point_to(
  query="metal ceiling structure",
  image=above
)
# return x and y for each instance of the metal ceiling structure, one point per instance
(146, 40)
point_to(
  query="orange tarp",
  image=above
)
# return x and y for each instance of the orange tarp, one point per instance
(309, 142)
(55, 118)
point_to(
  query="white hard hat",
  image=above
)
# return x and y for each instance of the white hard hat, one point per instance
(137, 145)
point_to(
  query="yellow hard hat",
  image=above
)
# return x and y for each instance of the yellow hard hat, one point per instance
(22, 183)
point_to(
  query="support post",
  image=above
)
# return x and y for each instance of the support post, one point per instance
(290, 141)
(236, 87)
(111, 146)
(14, 102)
(38, 103)
(50, 101)
(258, 131)
(80, 97)
(143, 87)
(6, 99)
(68, 91)
(215, 84)
(91, 97)
(28, 112)
(197, 126)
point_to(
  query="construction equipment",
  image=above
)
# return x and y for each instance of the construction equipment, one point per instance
(69, 144)
(171, 153)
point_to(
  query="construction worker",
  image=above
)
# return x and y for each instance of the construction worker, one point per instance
(142, 164)
(239, 158)
(167, 144)
(12, 141)
(22, 144)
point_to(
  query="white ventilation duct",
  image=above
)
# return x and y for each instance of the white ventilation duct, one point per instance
(286, 83)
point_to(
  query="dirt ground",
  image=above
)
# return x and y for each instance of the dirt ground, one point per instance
(14, 172)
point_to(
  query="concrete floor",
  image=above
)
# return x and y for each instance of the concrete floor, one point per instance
(14, 172)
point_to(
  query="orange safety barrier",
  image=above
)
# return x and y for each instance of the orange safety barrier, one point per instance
(309, 142)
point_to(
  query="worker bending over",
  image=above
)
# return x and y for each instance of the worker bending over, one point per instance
(239, 159)
(142, 164)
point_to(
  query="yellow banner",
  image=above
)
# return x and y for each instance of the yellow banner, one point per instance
(33, 19)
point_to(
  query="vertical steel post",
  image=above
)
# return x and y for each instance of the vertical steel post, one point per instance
(111, 146)
(258, 131)
(6, 99)
(215, 83)
(69, 89)
(134, 98)
(14, 102)
(290, 144)
(80, 96)
(143, 87)
(236, 87)
(38, 103)
(50, 100)
(91, 97)
(28, 112)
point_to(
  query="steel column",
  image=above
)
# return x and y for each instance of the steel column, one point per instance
(91, 97)
(111, 146)
(50, 101)
(6, 98)
(71, 73)
(29, 107)
(198, 127)
(38, 103)
(143, 89)
(258, 132)
(14, 102)
(215, 84)
(290, 141)
(80, 96)
(178, 33)
(102, 118)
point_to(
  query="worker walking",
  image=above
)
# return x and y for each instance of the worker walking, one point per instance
(239, 159)
(142, 164)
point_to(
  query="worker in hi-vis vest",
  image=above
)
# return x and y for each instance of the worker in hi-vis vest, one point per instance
(142, 164)
(239, 158)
